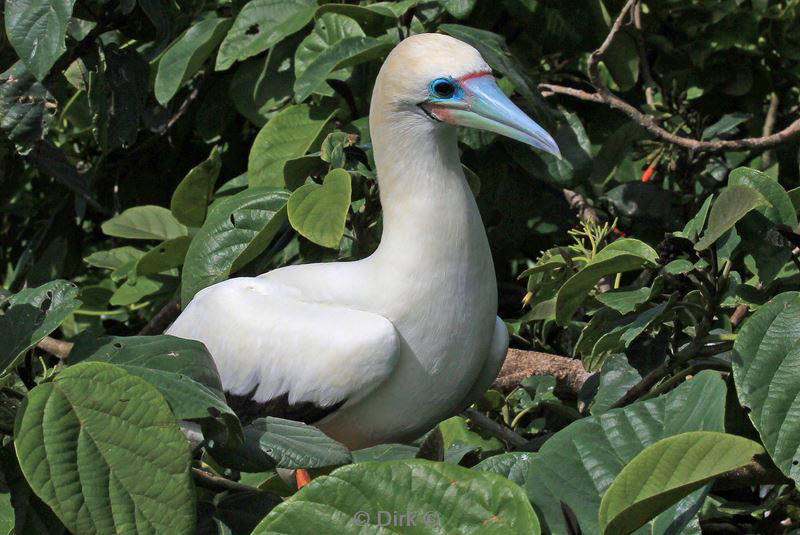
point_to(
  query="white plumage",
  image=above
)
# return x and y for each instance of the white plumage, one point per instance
(408, 336)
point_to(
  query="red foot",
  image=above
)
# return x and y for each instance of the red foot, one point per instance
(302, 477)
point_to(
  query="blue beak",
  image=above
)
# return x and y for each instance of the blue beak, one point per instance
(485, 106)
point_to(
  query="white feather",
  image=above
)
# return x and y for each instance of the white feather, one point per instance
(408, 335)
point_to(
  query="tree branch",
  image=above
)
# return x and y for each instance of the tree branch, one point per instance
(495, 429)
(57, 348)
(159, 323)
(212, 482)
(520, 365)
(603, 95)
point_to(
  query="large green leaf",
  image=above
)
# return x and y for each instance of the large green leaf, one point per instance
(165, 256)
(114, 258)
(236, 230)
(578, 464)
(329, 29)
(190, 199)
(757, 229)
(186, 55)
(619, 256)
(732, 204)
(36, 29)
(620, 337)
(319, 212)
(148, 222)
(271, 442)
(666, 472)
(622, 60)
(260, 25)
(513, 465)
(26, 108)
(366, 498)
(34, 313)
(31, 516)
(766, 360)
(260, 88)
(344, 53)
(288, 135)
(182, 370)
(103, 450)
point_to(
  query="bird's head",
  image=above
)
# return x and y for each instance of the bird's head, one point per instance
(436, 79)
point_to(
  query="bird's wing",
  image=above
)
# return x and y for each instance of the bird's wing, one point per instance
(280, 351)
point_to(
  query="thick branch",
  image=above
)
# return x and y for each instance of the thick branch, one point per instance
(159, 323)
(760, 471)
(604, 95)
(57, 348)
(520, 365)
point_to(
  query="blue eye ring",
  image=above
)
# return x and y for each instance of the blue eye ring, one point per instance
(445, 89)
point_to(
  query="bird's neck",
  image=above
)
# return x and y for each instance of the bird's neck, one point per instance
(429, 212)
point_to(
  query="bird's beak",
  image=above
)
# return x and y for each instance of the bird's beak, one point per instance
(485, 106)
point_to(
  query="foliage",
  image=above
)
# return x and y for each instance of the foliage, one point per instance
(149, 149)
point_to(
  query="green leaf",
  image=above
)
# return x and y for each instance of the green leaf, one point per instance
(186, 55)
(385, 452)
(114, 258)
(271, 442)
(329, 29)
(459, 440)
(116, 430)
(726, 123)
(319, 212)
(375, 18)
(236, 230)
(31, 516)
(625, 300)
(165, 256)
(460, 9)
(148, 222)
(766, 356)
(262, 24)
(260, 88)
(182, 370)
(622, 60)
(579, 463)
(666, 472)
(617, 257)
(732, 204)
(26, 108)
(190, 199)
(34, 313)
(127, 77)
(621, 336)
(443, 498)
(37, 29)
(135, 289)
(676, 267)
(288, 135)
(344, 53)
(513, 465)
(779, 208)
(695, 225)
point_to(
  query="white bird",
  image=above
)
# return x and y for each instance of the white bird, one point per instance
(382, 349)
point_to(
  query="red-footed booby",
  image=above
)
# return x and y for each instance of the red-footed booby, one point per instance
(382, 349)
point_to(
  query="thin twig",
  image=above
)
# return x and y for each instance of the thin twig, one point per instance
(769, 127)
(603, 95)
(210, 481)
(495, 429)
(163, 318)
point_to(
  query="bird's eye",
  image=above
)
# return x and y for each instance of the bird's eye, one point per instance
(443, 88)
